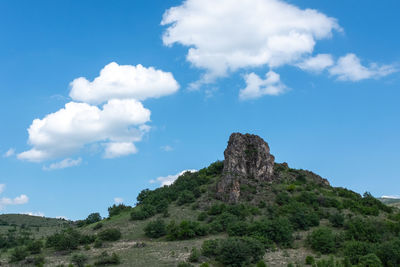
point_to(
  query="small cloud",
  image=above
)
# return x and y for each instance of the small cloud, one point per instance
(9, 153)
(115, 150)
(257, 87)
(5, 201)
(38, 214)
(317, 63)
(118, 200)
(392, 197)
(349, 68)
(66, 163)
(167, 148)
(169, 179)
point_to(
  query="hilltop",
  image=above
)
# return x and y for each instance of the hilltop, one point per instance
(247, 210)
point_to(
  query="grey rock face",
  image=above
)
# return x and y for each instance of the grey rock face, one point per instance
(246, 157)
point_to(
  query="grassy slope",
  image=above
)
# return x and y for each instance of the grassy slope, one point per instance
(159, 252)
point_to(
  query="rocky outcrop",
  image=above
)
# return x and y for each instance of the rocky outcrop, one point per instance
(247, 158)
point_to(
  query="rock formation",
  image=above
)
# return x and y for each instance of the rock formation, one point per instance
(247, 158)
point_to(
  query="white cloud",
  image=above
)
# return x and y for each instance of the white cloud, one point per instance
(9, 153)
(38, 214)
(169, 179)
(317, 63)
(349, 68)
(257, 87)
(391, 197)
(105, 113)
(5, 201)
(167, 148)
(227, 35)
(124, 82)
(66, 163)
(71, 128)
(118, 200)
(62, 218)
(114, 150)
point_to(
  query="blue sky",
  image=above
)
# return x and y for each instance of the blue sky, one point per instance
(321, 87)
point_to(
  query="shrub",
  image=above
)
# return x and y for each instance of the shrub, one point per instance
(97, 226)
(68, 239)
(310, 260)
(194, 255)
(278, 230)
(35, 246)
(239, 228)
(209, 248)
(117, 209)
(93, 218)
(202, 216)
(261, 263)
(143, 212)
(353, 250)
(186, 196)
(364, 230)
(155, 229)
(184, 264)
(98, 243)
(282, 198)
(111, 234)
(336, 219)
(322, 240)
(185, 230)
(79, 259)
(370, 260)
(239, 251)
(18, 254)
(105, 259)
(39, 260)
(389, 253)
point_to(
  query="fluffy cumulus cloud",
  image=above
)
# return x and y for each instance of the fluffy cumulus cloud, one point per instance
(317, 64)
(349, 68)
(106, 111)
(226, 35)
(77, 124)
(124, 82)
(257, 87)
(169, 179)
(65, 163)
(6, 201)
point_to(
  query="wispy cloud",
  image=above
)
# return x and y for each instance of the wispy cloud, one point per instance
(66, 163)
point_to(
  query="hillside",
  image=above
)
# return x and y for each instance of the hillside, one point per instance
(394, 202)
(244, 211)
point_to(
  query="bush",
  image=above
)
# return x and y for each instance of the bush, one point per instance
(79, 259)
(185, 230)
(105, 259)
(186, 196)
(97, 226)
(35, 246)
(155, 229)
(117, 209)
(370, 260)
(209, 248)
(68, 239)
(184, 264)
(239, 251)
(93, 218)
(336, 219)
(111, 234)
(39, 260)
(353, 250)
(98, 243)
(278, 230)
(389, 253)
(310, 260)
(18, 254)
(239, 228)
(322, 240)
(261, 263)
(364, 230)
(143, 212)
(194, 255)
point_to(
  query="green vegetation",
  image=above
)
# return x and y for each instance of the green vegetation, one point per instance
(296, 220)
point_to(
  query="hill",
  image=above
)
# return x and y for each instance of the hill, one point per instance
(394, 202)
(244, 211)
